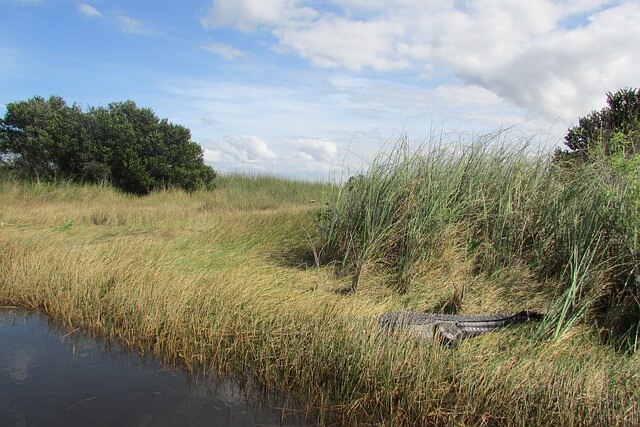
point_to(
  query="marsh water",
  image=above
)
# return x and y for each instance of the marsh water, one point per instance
(50, 377)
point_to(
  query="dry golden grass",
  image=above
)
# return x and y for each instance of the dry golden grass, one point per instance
(222, 281)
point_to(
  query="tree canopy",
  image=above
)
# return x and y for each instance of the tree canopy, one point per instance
(122, 144)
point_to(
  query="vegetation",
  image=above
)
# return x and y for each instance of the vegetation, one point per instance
(225, 281)
(122, 144)
(614, 130)
(505, 212)
(242, 280)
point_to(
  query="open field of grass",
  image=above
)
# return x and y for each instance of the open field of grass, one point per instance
(226, 281)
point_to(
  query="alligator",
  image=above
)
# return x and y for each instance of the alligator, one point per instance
(450, 329)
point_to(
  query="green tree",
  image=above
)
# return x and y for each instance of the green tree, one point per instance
(613, 130)
(122, 143)
(143, 152)
(44, 138)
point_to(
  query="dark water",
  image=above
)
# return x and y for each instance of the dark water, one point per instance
(51, 378)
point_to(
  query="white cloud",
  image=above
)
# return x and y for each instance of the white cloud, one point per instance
(224, 50)
(568, 73)
(357, 114)
(247, 154)
(318, 150)
(465, 95)
(210, 155)
(248, 149)
(246, 15)
(89, 11)
(536, 63)
(555, 58)
(131, 26)
(335, 41)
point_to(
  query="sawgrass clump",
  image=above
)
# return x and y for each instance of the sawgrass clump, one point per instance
(501, 205)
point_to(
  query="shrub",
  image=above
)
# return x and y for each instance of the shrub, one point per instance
(43, 137)
(614, 129)
(129, 146)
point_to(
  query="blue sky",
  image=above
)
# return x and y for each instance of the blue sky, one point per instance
(308, 88)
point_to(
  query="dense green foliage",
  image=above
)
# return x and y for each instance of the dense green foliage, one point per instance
(613, 130)
(576, 233)
(122, 143)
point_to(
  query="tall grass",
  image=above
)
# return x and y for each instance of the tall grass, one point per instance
(200, 279)
(575, 231)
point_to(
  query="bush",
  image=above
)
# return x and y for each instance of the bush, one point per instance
(612, 130)
(96, 173)
(43, 137)
(126, 145)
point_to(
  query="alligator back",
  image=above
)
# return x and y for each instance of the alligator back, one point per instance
(452, 327)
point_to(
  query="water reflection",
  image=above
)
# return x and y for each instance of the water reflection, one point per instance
(51, 378)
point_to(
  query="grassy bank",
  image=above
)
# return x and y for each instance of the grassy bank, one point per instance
(566, 233)
(225, 280)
